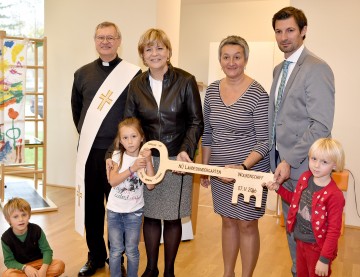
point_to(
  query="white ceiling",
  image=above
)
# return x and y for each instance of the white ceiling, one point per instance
(213, 1)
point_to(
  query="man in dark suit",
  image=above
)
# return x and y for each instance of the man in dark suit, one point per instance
(305, 110)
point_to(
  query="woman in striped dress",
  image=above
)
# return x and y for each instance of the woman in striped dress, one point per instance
(236, 135)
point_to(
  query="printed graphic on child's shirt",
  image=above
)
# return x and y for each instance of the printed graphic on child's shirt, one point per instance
(130, 189)
(305, 205)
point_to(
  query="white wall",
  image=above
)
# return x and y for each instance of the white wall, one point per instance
(168, 19)
(333, 35)
(205, 23)
(69, 27)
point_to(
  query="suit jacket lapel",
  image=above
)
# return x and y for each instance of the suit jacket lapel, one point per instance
(294, 73)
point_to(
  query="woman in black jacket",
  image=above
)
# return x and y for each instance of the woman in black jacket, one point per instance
(167, 102)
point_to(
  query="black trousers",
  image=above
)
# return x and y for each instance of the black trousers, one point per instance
(97, 189)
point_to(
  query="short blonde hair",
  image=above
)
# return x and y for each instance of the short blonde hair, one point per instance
(14, 204)
(152, 37)
(331, 149)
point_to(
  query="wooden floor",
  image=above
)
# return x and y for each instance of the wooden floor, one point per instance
(200, 257)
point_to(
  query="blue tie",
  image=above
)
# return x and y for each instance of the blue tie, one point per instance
(285, 68)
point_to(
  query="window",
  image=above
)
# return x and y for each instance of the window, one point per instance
(22, 17)
(25, 18)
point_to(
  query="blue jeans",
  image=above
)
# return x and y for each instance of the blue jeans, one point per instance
(290, 185)
(120, 226)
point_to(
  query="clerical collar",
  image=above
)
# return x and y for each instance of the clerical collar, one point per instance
(111, 63)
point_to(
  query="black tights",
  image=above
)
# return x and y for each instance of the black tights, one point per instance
(172, 238)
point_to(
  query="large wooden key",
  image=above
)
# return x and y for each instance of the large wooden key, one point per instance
(247, 182)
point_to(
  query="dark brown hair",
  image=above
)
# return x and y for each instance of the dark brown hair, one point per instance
(288, 12)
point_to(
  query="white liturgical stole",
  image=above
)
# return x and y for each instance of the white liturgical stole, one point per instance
(106, 96)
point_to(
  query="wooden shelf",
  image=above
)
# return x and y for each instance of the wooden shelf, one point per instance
(37, 92)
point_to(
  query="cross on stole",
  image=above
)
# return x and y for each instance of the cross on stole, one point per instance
(79, 194)
(105, 99)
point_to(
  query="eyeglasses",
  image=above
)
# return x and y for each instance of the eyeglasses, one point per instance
(110, 39)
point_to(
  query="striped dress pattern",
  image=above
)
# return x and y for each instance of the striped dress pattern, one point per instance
(232, 132)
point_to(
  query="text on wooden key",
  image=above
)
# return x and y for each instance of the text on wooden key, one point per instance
(247, 182)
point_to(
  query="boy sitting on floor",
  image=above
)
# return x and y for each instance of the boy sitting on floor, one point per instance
(25, 247)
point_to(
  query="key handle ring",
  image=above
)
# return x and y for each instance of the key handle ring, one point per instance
(160, 174)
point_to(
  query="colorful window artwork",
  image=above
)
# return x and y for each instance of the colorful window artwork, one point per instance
(12, 100)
